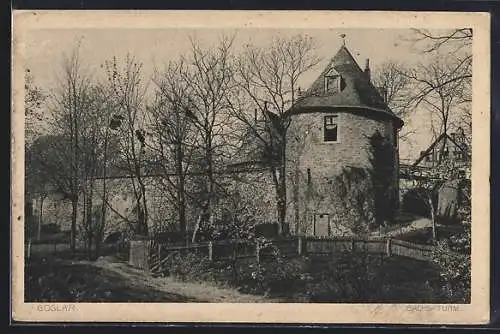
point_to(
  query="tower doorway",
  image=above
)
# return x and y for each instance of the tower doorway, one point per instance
(321, 225)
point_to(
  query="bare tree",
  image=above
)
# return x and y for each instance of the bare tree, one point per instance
(453, 40)
(434, 91)
(391, 78)
(126, 95)
(36, 182)
(90, 161)
(207, 78)
(46, 167)
(442, 89)
(95, 139)
(428, 185)
(34, 99)
(71, 103)
(52, 156)
(269, 79)
(172, 130)
(456, 44)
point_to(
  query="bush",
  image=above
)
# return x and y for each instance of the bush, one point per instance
(188, 267)
(275, 278)
(346, 277)
(453, 256)
(275, 275)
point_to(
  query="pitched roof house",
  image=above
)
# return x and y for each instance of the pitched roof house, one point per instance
(452, 148)
(344, 85)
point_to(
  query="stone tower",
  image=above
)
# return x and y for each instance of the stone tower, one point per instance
(342, 153)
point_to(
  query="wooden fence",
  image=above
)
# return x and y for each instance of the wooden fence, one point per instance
(294, 246)
(47, 244)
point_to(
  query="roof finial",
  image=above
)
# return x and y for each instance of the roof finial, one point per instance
(343, 39)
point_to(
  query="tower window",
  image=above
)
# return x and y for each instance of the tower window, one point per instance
(333, 83)
(330, 132)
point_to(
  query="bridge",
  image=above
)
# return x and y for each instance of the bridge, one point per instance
(411, 172)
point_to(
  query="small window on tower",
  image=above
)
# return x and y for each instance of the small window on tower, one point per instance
(332, 83)
(330, 132)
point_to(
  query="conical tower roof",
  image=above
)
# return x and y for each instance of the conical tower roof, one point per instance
(356, 90)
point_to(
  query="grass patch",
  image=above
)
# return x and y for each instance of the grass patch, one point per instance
(55, 280)
(424, 236)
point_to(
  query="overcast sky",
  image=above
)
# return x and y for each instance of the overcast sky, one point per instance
(154, 47)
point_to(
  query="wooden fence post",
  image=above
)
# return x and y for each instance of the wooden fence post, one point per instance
(353, 245)
(257, 251)
(159, 252)
(210, 251)
(299, 246)
(388, 247)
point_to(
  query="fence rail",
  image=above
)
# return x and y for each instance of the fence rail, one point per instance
(141, 251)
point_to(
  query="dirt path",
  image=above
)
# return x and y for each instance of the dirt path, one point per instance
(194, 292)
(413, 225)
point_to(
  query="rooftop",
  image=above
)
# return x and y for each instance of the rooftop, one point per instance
(355, 90)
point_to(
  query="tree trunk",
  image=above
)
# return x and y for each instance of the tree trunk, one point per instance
(181, 201)
(89, 223)
(40, 219)
(279, 199)
(97, 246)
(211, 181)
(433, 218)
(89, 246)
(141, 228)
(74, 211)
(102, 224)
(142, 205)
(282, 206)
(282, 190)
(145, 219)
(196, 227)
(296, 199)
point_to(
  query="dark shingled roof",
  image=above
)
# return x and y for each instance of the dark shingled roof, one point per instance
(425, 153)
(357, 93)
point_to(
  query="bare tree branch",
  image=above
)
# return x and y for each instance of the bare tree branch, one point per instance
(267, 79)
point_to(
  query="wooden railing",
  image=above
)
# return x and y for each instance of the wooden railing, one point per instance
(50, 243)
(293, 246)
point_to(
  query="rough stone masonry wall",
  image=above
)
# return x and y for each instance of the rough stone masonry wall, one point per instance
(253, 192)
(307, 150)
(122, 202)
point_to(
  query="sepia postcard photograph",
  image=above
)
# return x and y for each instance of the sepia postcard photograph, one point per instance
(250, 167)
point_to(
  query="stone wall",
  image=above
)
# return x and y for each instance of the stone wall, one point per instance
(252, 192)
(121, 198)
